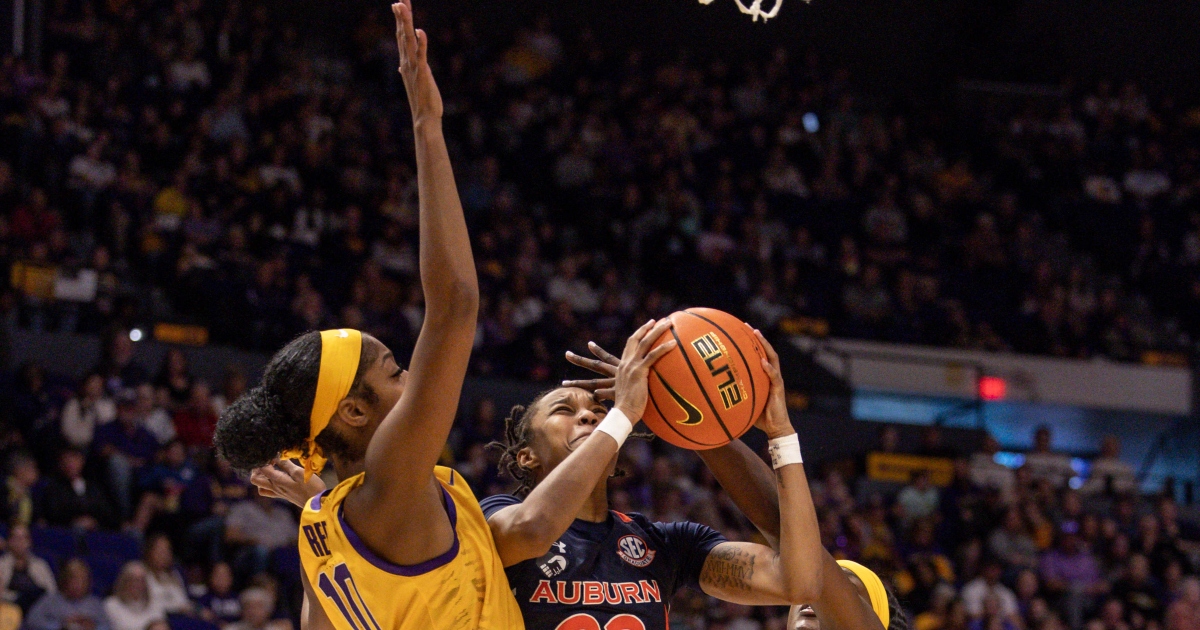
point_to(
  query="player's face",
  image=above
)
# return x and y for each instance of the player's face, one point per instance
(803, 618)
(565, 418)
(386, 379)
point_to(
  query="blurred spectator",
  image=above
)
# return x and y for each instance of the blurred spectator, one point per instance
(1184, 614)
(168, 591)
(23, 475)
(152, 416)
(1044, 464)
(175, 377)
(124, 446)
(260, 526)
(72, 606)
(24, 577)
(89, 408)
(118, 366)
(1071, 573)
(1139, 590)
(233, 385)
(1109, 474)
(220, 605)
(919, 499)
(986, 472)
(196, 420)
(987, 585)
(131, 607)
(257, 607)
(70, 500)
(1012, 544)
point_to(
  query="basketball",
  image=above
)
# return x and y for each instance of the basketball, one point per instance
(711, 388)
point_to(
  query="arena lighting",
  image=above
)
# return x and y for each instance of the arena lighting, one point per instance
(811, 123)
(135, 334)
(992, 388)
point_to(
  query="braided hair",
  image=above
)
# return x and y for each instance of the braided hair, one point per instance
(517, 435)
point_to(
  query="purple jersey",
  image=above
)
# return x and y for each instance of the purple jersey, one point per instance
(615, 575)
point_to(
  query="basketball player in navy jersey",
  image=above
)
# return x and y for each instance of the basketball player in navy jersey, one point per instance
(575, 564)
(850, 596)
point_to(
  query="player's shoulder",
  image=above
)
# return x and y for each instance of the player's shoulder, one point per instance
(497, 502)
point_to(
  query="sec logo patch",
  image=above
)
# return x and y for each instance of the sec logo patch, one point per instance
(633, 550)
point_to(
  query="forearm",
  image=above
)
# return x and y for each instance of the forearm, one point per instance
(800, 550)
(527, 530)
(447, 266)
(750, 483)
(840, 606)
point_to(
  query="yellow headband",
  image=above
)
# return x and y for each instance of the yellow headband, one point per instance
(340, 352)
(875, 591)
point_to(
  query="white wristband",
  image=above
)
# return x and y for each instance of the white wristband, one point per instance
(616, 424)
(784, 451)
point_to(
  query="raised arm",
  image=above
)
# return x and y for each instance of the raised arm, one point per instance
(749, 573)
(527, 530)
(403, 451)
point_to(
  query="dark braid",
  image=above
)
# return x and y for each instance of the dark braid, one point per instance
(898, 620)
(517, 436)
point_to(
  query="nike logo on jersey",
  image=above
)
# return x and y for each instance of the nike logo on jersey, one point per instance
(694, 415)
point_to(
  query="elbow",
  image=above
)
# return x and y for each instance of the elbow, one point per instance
(459, 302)
(535, 534)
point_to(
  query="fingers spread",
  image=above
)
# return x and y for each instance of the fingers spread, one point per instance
(652, 337)
(659, 351)
(602, 354)
(631, 345)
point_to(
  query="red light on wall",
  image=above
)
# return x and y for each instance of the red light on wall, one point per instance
(992, 388)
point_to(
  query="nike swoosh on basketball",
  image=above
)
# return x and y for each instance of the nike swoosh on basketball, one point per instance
(694, 416)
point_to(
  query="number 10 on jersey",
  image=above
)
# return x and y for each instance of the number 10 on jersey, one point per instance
(344, 594)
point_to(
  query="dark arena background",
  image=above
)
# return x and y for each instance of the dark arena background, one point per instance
(971, 227)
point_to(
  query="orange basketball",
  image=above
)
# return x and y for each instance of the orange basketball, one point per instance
(711, 388)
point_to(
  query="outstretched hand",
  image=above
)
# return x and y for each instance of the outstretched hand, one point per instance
(605, 364)
(631, 384)
(282, 479)
(413, 43)
(774, 421)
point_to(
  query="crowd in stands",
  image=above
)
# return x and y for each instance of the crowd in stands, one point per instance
(203, 164)
(195, 162)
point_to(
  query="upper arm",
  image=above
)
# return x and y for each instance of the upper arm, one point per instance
(512, 541)
(744, 573)
(312, 614)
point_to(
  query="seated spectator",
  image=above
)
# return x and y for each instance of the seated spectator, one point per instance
(1071, 573)
(258, 605)
(70, 500)
(1184, 614)
(167, 588)
(260, 525)
(24, 577)
(233, 385)
(917, 500)
(1012, 544)
(23, 475)
(1138, 589)
(151, 415)
(220, 605)
(184, 491)
(986, 586)
(1044, 464)
(196, 420)
(131, 607)
(992, 617)
(124, 446)
(72, 606)
(986, 472)
(89, 408)
(117, 364)
(1109, 474)
(175, 378)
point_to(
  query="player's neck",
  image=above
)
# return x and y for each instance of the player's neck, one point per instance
(346, 470)
(595, 507)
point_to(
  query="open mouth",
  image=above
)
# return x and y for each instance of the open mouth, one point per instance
(807, 611)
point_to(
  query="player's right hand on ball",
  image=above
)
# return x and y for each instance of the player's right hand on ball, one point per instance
(632, 379)
(413, 43)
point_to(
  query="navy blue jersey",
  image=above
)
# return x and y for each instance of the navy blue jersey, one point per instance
(615, 575)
